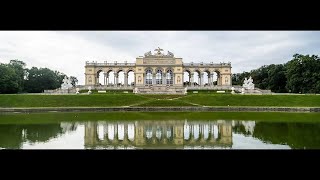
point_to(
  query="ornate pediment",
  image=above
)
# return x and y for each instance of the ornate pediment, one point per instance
(158, 54)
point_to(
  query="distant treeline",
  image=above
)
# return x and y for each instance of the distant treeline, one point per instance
(299, 75)
(16, 78)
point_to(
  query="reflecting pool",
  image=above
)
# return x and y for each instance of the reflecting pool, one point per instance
(161, 134)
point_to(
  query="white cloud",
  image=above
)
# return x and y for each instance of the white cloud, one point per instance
(67, 51)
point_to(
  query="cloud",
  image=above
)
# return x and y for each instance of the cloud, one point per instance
(67, 51)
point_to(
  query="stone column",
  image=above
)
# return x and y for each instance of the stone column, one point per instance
(174, 79)
(115, 131)
(116, 79)
(163, 78)
(209, 79)
(201, 79)
(154, 78)
(125, 132)
(192, 79)
(105, 132)
(105, 78)
(125, 79)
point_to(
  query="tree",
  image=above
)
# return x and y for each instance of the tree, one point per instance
(9, 81)
(74, 81)
(20, 71)
(42, 79)
(303, 74)
(277, 79)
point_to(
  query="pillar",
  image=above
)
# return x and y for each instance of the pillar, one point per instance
(125, 79)
(192, 79)
(125, 132)
(174, 79)
(115, 131)
(116, 79)
(163, 78)
(201, 79)
(154, 78)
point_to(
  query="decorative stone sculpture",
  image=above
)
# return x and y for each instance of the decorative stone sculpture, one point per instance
(147, 54)
(245, 83)
(242, 91)
(135, 90)
(89, 92)
(66, 83)
(170, 54)
(248, 83)
(77, 89)
(232, 90)
(185, 90)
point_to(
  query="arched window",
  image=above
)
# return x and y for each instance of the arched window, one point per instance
(159, 77)
(148, 76)
(169, 77)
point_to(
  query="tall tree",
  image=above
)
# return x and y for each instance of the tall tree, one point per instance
(74, 81)
(42, 79)
(9, 83)
(303, 74)
(20, 71)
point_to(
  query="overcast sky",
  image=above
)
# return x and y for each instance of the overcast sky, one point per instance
(67, 51)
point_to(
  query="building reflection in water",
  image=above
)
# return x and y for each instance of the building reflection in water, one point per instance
(158, 135)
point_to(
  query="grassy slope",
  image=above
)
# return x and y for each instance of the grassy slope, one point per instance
(69, 100)
(116, 116)
(254, 100)
(109, 100)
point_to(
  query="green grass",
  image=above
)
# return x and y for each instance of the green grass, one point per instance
(253, 100)
(46, 118)
(164, 103)
(105, 100)
(117, 99)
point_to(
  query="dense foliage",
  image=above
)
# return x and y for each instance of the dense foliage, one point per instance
(16, 78)
(299, 75)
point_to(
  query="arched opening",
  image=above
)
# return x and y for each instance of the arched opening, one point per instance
(131, 78)
(159, 77)
(131, 132)
(186, 78)
(215, 78)
(100, 78)
(148, 77)
(186, 131)
(196, 78)
(196, 131)
(111, 131)
(169, 77)
(110, 78)
(120, 79)
(101, 132)
(121, 132)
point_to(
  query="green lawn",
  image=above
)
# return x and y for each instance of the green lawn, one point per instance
(112, 100)
(253, 100)
(123, 116)
(98, 100)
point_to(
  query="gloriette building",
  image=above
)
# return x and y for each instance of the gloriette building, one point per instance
(159, 73)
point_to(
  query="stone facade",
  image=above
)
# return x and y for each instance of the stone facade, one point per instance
(158, 73)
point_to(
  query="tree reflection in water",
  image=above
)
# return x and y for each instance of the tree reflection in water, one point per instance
(165, 134)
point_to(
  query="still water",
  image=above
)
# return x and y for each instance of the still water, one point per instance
(157, 134)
